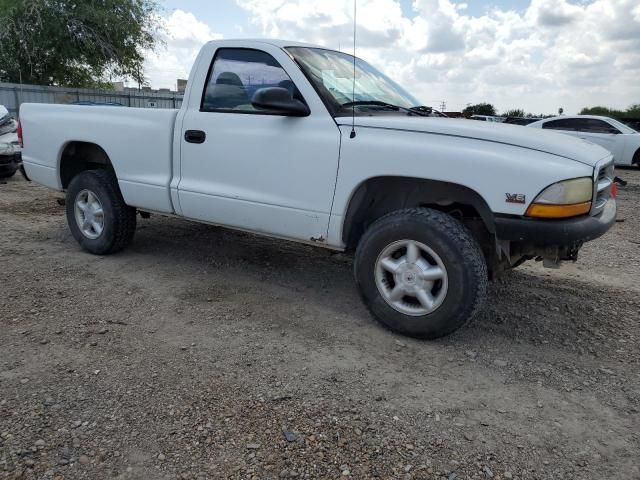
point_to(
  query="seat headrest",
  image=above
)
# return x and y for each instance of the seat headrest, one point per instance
(229, 78)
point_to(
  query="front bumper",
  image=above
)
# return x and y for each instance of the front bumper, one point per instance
(565, 232)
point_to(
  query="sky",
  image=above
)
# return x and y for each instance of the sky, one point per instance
(538, 55)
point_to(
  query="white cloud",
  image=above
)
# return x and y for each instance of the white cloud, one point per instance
(555, 53)
(553, 13)
(183, 37)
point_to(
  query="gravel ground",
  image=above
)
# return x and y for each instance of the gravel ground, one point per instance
(204, 353)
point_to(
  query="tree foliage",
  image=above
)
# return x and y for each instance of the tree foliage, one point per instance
(515, 112)
(520, 113)
(479, 109)
(632, 112)
(79, 43)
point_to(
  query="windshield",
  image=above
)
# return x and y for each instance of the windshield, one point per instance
(331, 73)
(621, 126)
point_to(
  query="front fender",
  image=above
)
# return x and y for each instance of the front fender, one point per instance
(490, 169)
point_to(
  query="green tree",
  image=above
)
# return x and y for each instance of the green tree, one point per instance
(479, 109)
(79, 43)
(515, 112)
(632, 112)
(603, 111)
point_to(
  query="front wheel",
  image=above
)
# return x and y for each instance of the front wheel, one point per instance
(97, 215)
(421, 272)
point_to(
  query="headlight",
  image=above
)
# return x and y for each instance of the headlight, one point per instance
(569, 198)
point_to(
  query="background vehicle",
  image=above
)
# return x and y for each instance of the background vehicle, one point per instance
(520, 120)
(622, 141)
(486, 118)
(10, 159)
(273, 137)
(632, 123)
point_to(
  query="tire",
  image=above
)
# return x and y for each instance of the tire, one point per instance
(454, 298)
(636, 158)
(118, 220)
(7, 174)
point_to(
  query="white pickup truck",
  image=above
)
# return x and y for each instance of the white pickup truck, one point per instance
(272, 138)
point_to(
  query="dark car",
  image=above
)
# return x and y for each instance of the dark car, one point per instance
(521, 120)
(10, 159)
(632, 122)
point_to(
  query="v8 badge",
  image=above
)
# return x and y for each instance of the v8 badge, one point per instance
(516, 198)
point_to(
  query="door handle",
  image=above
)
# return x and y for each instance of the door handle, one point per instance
(195, 136)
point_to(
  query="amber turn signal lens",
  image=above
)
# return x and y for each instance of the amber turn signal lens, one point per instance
(541, 210)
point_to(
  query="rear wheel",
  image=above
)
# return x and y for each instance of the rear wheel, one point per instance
(97, 215)
(421, 273)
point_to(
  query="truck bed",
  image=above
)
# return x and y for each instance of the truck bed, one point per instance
(138, 141)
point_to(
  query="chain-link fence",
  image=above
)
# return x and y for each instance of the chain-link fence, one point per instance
(12, 95)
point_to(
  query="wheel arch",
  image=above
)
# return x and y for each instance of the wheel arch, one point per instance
(636, 158)
(79, 156)
(377, 196)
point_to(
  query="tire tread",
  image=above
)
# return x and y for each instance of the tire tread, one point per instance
(452, 228)
(124, 216)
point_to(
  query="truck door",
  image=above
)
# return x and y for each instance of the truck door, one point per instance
(253, 169)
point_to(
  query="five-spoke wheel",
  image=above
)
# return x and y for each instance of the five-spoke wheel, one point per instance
(411, 277)
(421, 272)
(97, 215)
(89, 214)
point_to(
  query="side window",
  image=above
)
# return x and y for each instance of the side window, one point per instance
(594, 125)
(562, 124)
(236, 75)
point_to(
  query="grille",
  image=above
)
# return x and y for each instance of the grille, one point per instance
(603, 183)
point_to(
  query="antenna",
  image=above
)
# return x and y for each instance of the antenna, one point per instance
(353, 91)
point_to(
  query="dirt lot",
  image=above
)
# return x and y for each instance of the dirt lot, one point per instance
(203, 353)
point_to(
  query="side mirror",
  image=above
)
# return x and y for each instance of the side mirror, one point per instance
(279, 100)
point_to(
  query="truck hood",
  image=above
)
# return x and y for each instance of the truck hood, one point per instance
(533, 139)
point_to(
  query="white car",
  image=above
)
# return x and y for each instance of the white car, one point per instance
(9, 145)
(621, 140)
(270, 140)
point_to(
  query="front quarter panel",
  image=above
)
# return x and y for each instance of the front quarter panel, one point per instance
(491, 169)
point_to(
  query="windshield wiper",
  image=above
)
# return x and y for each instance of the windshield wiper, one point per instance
(389, 106)
(373, 103)
(428, 111)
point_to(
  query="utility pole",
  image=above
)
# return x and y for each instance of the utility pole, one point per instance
(443, 106)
